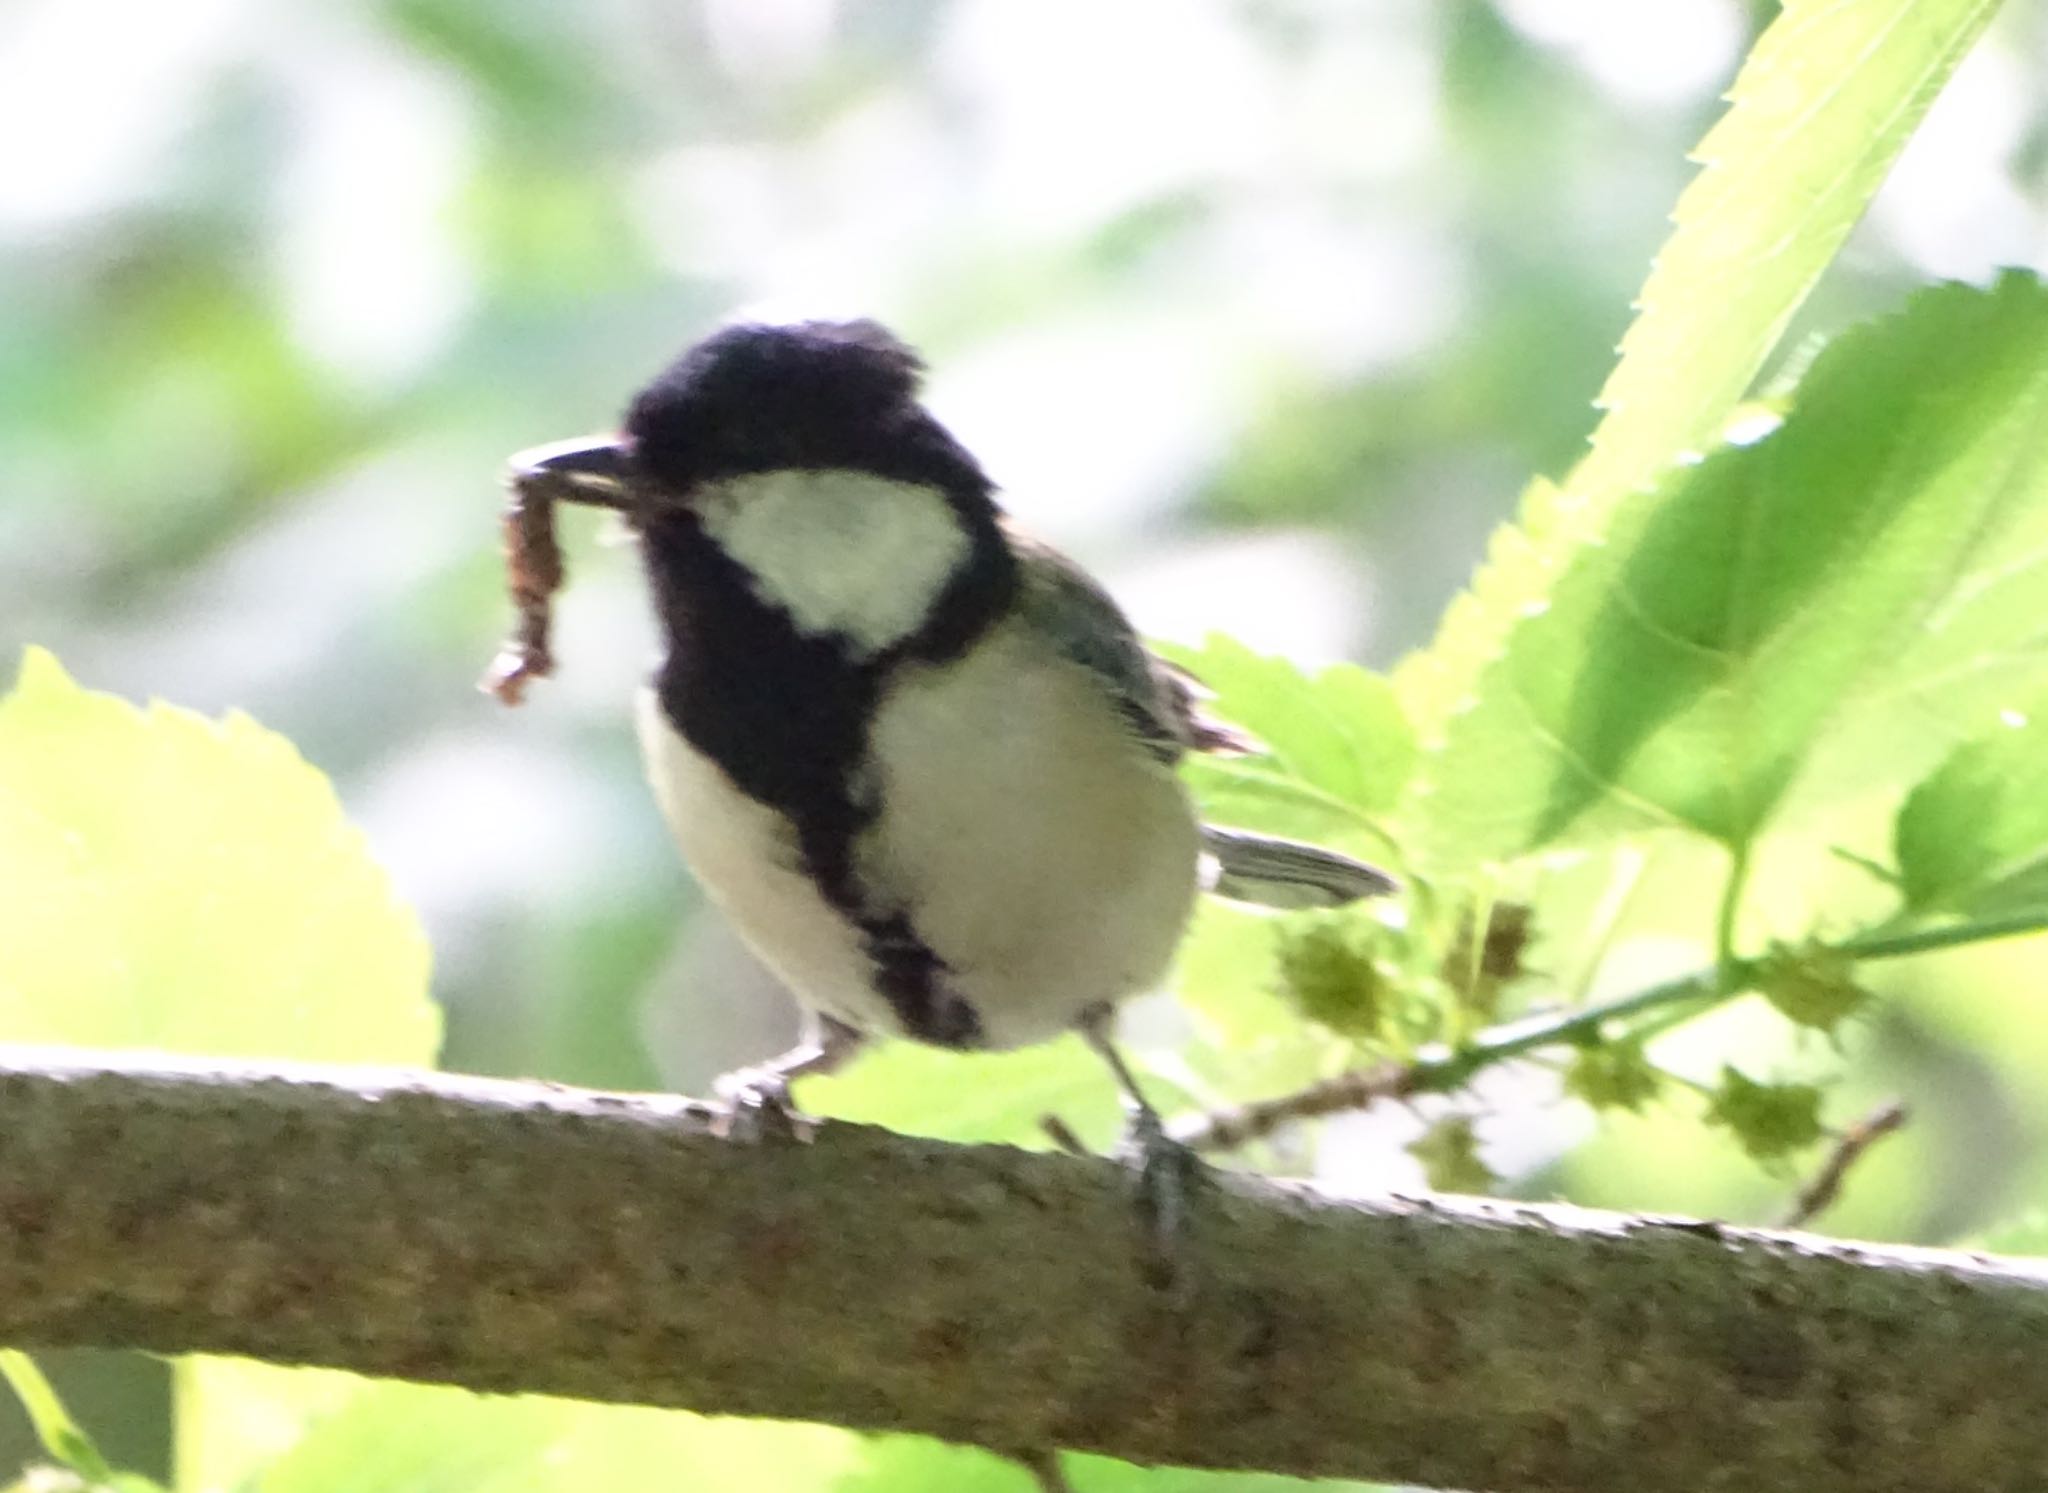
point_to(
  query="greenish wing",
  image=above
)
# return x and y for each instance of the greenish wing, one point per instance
(1062, 603)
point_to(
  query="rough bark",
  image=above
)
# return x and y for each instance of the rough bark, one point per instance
(508, 1236)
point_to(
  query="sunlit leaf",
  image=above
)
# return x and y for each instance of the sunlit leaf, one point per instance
(1331, 973)
(1249, 1040)
(172, 881)
(912, 1464)
(417, 1438)
(175, 882)
(1227, 975)
(1974, 836)
(1812, 986)
(1820, 110)
(1860, 578)
(1771, 1120)
(1613, 1075)
(972, 1096)
(1825, 101)
(420, 1439)
(1450, 1157)
(2024, 1235)
(61, 1436)
(1335, 749)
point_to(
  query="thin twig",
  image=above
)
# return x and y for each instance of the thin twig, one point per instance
(1729, 915)
(1061, 1134)
(1359, 1088)
(1818, 1195)
(1436, 1069)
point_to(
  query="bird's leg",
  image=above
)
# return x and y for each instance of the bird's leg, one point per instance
(759, 1095)
(1167, 1170)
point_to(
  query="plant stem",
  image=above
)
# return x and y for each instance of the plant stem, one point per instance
(1731, 908)
(1441, 1067)
(1606, 921)
(54, 1427)
(1945, 936)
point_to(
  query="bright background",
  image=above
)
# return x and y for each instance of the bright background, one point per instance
(1264, 310)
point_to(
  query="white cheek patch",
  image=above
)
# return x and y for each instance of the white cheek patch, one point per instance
(840, 552)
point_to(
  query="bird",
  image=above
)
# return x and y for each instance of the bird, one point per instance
(920, 759)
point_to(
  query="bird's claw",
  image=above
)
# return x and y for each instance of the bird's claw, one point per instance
(1167, 1174)
(758, 1107)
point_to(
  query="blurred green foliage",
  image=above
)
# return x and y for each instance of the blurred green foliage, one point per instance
(1267, 309)
(191, 885)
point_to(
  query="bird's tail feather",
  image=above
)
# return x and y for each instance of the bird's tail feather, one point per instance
(1280, 873)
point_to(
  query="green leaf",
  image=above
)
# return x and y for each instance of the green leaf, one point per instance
(1449, 1153)
(1826, 99)
(2025, 1235)
(45, 1478)
(972, 1096)
(1249, 1042)
(60, 1435)
(1336, 750)
(418, 1438)
(1224, 974)
(1821, 108)
(1812, 986)
(413, 1438)
(1107, 1475)
(912, 1464)
(1613, 1075)
(176, 882)
(1828, 599)
(1771, 1120)
(1258, 793)
(1330, 972)
(1974, 836)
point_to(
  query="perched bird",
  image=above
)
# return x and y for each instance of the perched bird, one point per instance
(919, 759)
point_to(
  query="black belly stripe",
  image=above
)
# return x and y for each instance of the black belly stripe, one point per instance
(787, 717)
(912, 978)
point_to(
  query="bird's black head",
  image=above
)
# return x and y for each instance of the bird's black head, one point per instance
(788, 580)
(757, 397)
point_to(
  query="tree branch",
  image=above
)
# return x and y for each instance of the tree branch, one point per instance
(508, 1236)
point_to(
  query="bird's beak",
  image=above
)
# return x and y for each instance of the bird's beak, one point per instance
(591, 469)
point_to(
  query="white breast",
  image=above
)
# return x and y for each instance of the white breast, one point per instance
(744, 855)
(1049, 861)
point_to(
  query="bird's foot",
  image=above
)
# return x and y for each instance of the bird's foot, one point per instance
(1166, 1176)
(757, 1099)
(758, 1107)
(1165, 1172)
